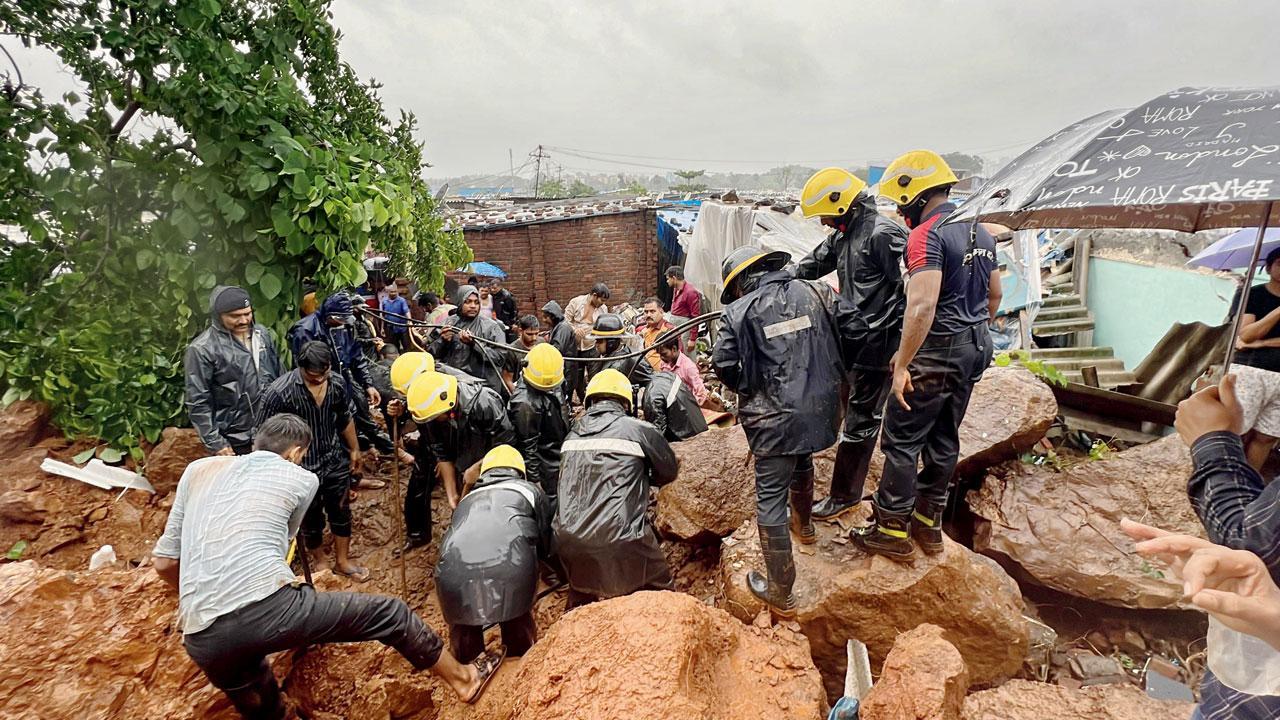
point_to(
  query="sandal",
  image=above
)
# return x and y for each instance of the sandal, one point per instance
(487, 666)
(360, 575)
(370, 484)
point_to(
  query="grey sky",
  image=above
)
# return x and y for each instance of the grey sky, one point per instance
(760, 83)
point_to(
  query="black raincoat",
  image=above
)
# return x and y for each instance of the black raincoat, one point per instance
(482, 361)
(781, 348)
(349, 359)
(477, 424)
(865, 252)
(637, 369)
(602, 533)
(672, 409)
(560, 334)
(223, 383)
(488, 569)
(541, 422)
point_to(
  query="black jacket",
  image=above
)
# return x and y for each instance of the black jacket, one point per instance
(477, 425)
(541, 422)
(504, 308)
(780, 348)
(637, 369)
(349, 360)
(477, 359)
(672, 409)
(223, 384)
(560, 334)
(488, 569)
(865, 252)
(602, 533)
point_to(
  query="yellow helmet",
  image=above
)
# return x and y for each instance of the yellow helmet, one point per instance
(409, 366)
(609, 383)
(431, 395)
(830, 192)
(544, 367)
(502, 456)
(913, 173)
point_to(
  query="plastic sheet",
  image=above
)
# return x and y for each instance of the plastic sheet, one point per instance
(1243, 662)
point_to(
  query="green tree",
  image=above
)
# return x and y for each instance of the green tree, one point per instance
(963, 161)
(635, 187)
(273, 162)
(689, 185)
(580, 189)
(552, 190)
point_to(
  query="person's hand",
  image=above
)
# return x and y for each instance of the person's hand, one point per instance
(466, 337)
(375, 397)
(447, 334)
(226, 451)
(395, 408)
(378, 343)
(901, 382)
(1210, 410)
(1170, 549)
(355, 462)
(691, 346)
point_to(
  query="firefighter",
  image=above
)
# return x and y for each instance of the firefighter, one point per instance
(608, 331)
(603, 535)
(417, 496)
(864, 249)
(462, 419)
(539, 412)
(488, 569)
(953, 291)
(781, 347)
(671, 408)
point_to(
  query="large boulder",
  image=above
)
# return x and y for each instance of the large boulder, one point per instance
(844, 593)
(21, 425)
(1010, 411)
(166, 461)
(1028, 700)
(96, 645)
(1063, 528)
(924, 678)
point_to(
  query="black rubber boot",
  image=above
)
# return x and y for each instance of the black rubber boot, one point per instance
(926, 526)
(889, 534)
(774, 588)
(847, 480)
(801, 520)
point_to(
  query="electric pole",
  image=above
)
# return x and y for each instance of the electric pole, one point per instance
(538, 157)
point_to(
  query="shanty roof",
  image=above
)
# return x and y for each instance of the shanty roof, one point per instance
(515, 214)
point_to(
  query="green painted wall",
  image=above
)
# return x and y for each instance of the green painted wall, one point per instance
(1134, 305)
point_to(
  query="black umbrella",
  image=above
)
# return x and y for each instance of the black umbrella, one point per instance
(1191, 159)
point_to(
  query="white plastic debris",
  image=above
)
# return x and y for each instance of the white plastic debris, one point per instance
(105, 556)
(98, 474)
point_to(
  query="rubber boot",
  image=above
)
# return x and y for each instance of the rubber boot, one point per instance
(774, 588)
(889, 534)
(847, 480)
(926, 526)
(801, 520)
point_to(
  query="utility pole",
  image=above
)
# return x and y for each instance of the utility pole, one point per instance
(538, 157)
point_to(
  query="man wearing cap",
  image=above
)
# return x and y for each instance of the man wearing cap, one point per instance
(458, 347)
(782, 347)
(539, 413)
(226, 368)
(333, 324)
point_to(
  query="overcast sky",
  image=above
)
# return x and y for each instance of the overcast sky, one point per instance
(750, 84)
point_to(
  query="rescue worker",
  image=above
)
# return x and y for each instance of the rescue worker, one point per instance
(953, 291)
(671, 408)
(603, 535)
(781, 348)
(334, 325)
(608, 332)
(457, 347)
(865, 251)
(462, 418)
(417, 495)
(559, 333)
(539, 413)
(488, 569)
(226, 369)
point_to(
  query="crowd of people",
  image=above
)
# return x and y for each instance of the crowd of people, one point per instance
(547, 433)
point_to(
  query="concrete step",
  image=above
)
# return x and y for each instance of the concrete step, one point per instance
(1075, 364)
(1061, 312)
(1062, 327)
(1072, 352)
(1064, 299)
(1106, 378)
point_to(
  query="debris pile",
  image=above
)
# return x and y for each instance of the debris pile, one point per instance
(1028, 700)
(924, 678)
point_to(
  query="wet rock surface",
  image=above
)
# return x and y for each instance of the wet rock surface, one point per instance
(924, 678)
(1063, 528)
(843, 593)
(22, 424)
(166, 461)
(1027, 700)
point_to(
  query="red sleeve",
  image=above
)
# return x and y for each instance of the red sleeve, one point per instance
(924, 250)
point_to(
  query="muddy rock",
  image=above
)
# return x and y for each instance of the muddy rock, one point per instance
(22, 424)
(27, 507)
(660, 653)
(1063, 528)
(95, 645)
(924, 678)
(1010, 411)
(165, 463)
(843, 593)
(1029, 700)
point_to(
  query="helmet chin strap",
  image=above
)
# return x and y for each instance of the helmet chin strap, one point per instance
(911, 213)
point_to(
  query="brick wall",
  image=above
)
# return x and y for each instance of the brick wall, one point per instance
(558, 260)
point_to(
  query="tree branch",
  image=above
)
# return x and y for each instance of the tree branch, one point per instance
(129, 111)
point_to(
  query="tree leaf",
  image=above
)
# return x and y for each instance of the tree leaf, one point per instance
(110, 455)
(253, 272)
(145, 258)
(83, 457)
(270, 285)
(281, 221)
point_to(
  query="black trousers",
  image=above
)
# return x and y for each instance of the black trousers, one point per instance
(232, 651)
(576, 375)
(868, 390)
(518, 634)
(333, 502)
(367, 430)
(417, 496)
(775, 479)
(943, 374)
